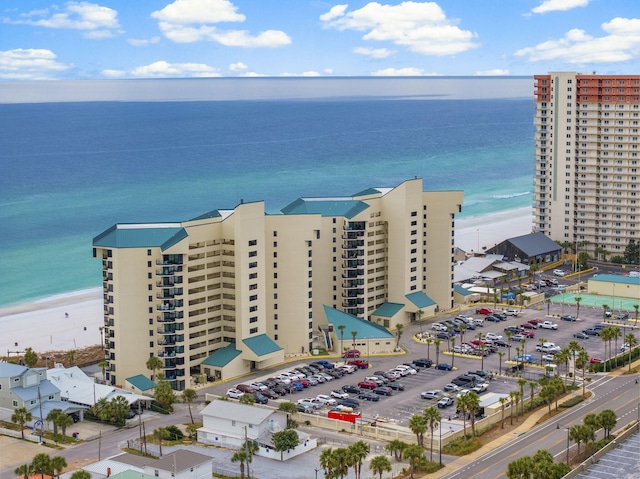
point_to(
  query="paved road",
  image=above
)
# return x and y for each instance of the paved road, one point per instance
(621, 394)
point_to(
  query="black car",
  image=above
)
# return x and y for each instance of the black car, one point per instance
(501, 343)
(567, 317)
(260, 398)
(423, 362)
(396, 386)
(581, 335)
(502, 316)
(367, 396)
(413, 365)
(349, 402)
(351, 389)
(442, 335)
(591, 331)
(513, 329)
(281, 390)
(385, 374)
(383, 391)
(493, 318)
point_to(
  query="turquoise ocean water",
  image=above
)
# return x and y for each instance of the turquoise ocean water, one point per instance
(69, 170)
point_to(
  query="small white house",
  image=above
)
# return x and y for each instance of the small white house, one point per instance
(228, 424)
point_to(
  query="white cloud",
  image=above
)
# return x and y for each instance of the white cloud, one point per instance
(30, 64)
(113, 73)
(563, 5)
(421, 27)
(374, 52)
(237, 67)
(143, 42)
(621, 43)
(163, 69)
(303, 74)
(402, 72)
(495, 72)
(188, 21)
(95, 20)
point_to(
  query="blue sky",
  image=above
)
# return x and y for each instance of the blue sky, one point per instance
(106, 39)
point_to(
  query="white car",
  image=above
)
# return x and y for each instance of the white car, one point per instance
(349, 368)
(462, 393)
(404, 367)
(548, 325)
(549, 358)
(512, 312)
(480, 388)
(493, 336)
(326, 400)
(234, 393)
(559, 272)
(337, 393)
(439, 327)
(258, 386)
(313, 402)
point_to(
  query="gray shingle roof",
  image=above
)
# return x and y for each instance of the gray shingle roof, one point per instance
(534, 244)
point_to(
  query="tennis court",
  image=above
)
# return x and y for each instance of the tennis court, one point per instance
(597, 300)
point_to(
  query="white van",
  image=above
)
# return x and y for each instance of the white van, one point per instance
(478, 321)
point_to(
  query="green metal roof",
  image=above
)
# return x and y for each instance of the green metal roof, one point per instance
(345, 207)
(223, 356)
(261, 345)
(207, 215)
(420, 299)
(141, 382)
(388, 310)
(460, 290)
(615, 278)
(368, 192)
(364, 329)
(139, 236)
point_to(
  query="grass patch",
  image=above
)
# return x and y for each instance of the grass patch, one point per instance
(571, 402)
(460, 447)
(138, 453)
(431, 467)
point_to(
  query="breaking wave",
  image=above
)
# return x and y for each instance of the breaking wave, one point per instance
(512, 195)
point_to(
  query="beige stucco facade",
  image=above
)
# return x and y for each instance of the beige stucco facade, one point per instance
(242, 289)
(586, 186)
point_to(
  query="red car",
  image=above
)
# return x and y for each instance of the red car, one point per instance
(484, 311)
(535, 321)
(352, 353)
(367, 385)
(528, 334)
(359, 363)
(529, 326)
(478, 342)
(595, 360)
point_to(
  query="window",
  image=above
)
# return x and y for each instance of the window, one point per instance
(253, 264)
(253, 309)
(252, 254)
(253, 242)
(253, 297)
(148, 252)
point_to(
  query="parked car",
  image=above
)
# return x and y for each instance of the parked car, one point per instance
(270, 394)
(528, 334)
(493, 336)
(349, 402)
(581, 335)
(559, 272)
(423, 362)
(305, 408)
(492, 318)
(501, 343)
(445, 402)
(512, 312)
(524, 358)
(348, 388)
(591, 331)
(549, 358)
(369, 396)
(367, 385)
(433, 394)
(480, 388)
(339, 394)
(502, 316)
(358, 363)
(529, 326)
(484, 311)
(383, 391)
(444, 367)
(567, 317)
(486, 375)
(326, 400)
(595, 360)
(396, 386)
(451, 387)
(324, 363)
(535, 321)
(234, 393)
(352, 353)
(260, 398)
(245, 388)
(548, 325)
(348, 368)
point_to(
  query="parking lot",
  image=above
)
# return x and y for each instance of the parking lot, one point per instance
(399, 407)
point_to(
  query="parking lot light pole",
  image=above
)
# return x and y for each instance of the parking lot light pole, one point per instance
(440, 442)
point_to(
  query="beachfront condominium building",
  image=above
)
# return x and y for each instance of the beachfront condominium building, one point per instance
(586, 160)
(236, 290)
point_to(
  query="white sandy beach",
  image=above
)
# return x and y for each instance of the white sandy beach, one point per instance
(43, 325)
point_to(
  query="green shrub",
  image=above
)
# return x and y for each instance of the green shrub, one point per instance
(172, 433)
(571, 402)
(460, 447)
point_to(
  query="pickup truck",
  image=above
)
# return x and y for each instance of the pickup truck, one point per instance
(548, 325)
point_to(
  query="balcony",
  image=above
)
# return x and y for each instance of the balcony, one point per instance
(170, 259)
(352, 263)
(353, 244)
(352, 303)
(170, 305)
(353, 254)
(169, 271)
(169, 293)
(353, 283)
(353, 293)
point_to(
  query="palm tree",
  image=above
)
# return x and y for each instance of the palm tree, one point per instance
(577, 299)
(509, 335)
(503, 401)
(453, 354)
(250, 448)
(240, 456)
(548, 301)
(605, 308)
(437, 342)
(462, 404)
(58, 463)
(413, 454)
(341, 328)
(582, 359)
(103, 365)
(463, 329)
(541, 342)
(154, 364)
(42, 463)
(473, 403)
(24, 470)
(512, 395)
(606, 334)
(419, 314)
(64, 421)
(399, 329)
(616, 333)
(396, 447)
(71, 356)
(574, 347)
(632, 342)
(532, 387)
(380, 464)
(188, 396)
(636, 307)
(358, 451)
(159, 434)
(418, 426)
(52, 417)
(483, 348)
(521, 384)
(325, 462)
(500, 356)
(21, 416)
(433, 418)
(429, 341)
(353, 339)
